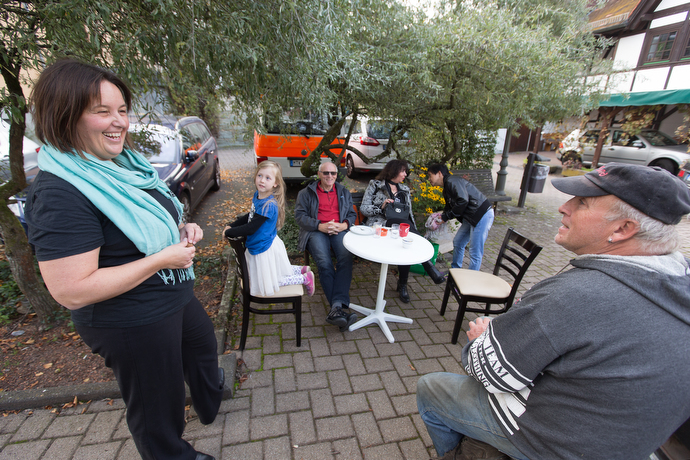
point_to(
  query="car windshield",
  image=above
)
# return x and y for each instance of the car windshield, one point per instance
(378, 129)
(658, 139)
(156, 146)
(297, 122)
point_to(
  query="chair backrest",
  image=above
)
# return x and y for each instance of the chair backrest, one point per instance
(515, 256)
(238, 248)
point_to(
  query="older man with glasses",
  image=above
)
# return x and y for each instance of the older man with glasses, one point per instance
(324, 214)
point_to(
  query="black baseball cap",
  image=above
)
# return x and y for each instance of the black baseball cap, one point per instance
(649, 189)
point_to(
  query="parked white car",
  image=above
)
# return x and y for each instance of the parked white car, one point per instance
(648, 148)
(369, 136)
(30, 149)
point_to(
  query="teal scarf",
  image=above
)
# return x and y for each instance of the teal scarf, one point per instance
(116, 188)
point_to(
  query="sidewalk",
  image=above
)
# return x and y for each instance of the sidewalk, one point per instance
(340, 395)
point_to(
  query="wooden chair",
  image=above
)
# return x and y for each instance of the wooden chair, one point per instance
(286, 294)
(516, 255)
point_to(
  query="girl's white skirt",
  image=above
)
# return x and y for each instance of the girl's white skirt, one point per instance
(267, 269)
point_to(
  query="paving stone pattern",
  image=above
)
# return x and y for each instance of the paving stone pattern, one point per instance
(340, 395)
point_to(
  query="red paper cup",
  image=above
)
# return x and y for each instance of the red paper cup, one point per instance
(404, 230)
(384, 231)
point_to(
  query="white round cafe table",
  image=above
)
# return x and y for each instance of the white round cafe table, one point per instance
(386, 251)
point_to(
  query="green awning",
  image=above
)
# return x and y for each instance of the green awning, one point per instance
(667, 97)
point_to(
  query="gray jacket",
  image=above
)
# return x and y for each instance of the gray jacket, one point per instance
(374, 196)
(307, 210)
(593, 362)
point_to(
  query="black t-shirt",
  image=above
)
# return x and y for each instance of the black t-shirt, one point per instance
(63, 222)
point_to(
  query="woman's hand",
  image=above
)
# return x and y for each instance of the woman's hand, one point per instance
(180, 255)
(76, 281)
(192, 232)
(383, 206)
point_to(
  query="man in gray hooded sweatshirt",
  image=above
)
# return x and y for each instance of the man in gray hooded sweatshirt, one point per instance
(593, 362)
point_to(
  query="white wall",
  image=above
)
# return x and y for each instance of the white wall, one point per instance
(672, 123)
(650, 79)
(620, 82)
(628, 52)
(668, 20)
(680, 77)
(666, 4)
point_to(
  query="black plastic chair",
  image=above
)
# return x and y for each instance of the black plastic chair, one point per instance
(286, 294)
(516, 255)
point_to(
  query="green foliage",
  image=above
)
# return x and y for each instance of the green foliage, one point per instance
(290, 231)
(10, 293)
(211, 265)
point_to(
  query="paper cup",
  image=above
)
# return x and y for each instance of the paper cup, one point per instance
(383, 231)
(407, 242)
(404, 230)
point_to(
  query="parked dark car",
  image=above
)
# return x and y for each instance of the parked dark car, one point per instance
(184, 153)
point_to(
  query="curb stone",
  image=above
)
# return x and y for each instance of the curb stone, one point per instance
(55, 396)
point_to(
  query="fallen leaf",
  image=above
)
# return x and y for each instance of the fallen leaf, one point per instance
(47, 366)
(38, 374)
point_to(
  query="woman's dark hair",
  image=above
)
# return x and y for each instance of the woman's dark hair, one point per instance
(435, 168)
(392, 169)
(62, 94)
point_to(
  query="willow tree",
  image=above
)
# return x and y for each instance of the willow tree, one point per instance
(499, 61)
(262, 53)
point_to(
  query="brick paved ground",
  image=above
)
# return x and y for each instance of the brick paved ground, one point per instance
(340, 395)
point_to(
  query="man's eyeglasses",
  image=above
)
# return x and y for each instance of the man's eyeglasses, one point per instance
(329, 173)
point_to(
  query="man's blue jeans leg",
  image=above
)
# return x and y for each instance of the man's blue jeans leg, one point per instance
(476, 236)
(335, 280)
(453, 406)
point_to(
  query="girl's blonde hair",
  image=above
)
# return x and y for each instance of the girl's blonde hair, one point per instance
(278, 191)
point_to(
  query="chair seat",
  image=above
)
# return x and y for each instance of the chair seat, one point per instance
(290, 290)
(476, 283)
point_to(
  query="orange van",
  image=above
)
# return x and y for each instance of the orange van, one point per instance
(288, 143)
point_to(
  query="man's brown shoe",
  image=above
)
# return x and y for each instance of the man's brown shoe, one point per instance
(471, 449)
(452, 454)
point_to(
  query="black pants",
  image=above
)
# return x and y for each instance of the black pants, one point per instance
(403, 270)
(151, 364)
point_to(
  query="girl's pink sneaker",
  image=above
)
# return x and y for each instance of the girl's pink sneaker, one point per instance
(305, 269)
(309, 283)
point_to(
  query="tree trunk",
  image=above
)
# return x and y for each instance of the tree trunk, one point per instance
(21, 261)
(17, 249)
(607, 116)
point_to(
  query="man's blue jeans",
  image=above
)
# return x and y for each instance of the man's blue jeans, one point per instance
(453, 406)
(476, 236)
(335, 281)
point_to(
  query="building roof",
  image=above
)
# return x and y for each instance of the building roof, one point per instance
(615, 14)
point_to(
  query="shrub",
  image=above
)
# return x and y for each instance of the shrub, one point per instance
(426, 199)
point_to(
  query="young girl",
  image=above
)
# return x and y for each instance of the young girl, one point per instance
(267, 260)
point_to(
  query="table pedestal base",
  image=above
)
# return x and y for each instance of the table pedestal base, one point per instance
(378, 315)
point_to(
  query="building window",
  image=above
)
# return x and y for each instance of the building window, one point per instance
(660, 47)
(687, 50)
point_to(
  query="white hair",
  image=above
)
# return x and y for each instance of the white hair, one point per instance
(325, 163)
(654, 236)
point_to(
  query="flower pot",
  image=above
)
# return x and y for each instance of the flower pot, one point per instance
(417, 268)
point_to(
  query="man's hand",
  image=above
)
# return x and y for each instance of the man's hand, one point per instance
(477, 327)
(332, 227)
